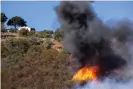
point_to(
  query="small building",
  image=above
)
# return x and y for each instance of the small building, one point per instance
(27, 28)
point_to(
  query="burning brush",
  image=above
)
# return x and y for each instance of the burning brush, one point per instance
(89, 41)
(85, 73)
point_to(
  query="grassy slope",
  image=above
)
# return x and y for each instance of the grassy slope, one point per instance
(38, 68)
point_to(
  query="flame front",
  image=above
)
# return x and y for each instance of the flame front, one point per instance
(85, 73)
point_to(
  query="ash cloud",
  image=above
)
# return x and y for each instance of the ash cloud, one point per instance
(122, 44)
(90, 41)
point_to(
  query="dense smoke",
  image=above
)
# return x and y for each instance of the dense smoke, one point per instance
(91, 42)
(88, 39)
(122, 44)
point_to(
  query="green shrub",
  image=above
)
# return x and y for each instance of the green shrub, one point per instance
(40, 34)
(47, 36)
(44, 34)
(15, 46)
(34, 40)
(32, 33)
(24, 32)
(48, 43)
(58, 34)
(48, 33)
(13, 50)
(18, 45)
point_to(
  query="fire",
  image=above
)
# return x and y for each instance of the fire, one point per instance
(85, 73)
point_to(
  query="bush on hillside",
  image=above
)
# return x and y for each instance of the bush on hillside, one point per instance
(48, 43)
(24, 32)
(30, 63)
(58, 34)
(35, 40)
(48, 33)
(18, 45)
(13, 50)
(13, 46)
(39, 34)
(32, 33)
(44, 34)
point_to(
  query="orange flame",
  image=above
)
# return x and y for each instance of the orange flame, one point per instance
(85, 73)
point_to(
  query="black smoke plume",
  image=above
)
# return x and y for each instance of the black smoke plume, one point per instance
(87, 38)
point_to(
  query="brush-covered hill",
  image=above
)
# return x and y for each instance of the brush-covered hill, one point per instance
(34, 63)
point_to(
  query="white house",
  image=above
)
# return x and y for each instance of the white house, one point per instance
(24, 27)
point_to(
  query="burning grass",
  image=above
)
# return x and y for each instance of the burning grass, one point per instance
(85, 73)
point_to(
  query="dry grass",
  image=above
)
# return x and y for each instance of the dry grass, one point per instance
(39, 68)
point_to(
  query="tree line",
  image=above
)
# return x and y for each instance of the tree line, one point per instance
(17, 21)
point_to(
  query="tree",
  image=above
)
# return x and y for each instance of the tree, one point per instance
(58, 34)
(3, 18)
(16, 21)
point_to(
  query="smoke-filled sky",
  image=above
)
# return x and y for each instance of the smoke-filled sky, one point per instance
(93, 43)
(41, 15)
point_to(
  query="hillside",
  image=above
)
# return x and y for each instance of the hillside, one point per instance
(30, 63)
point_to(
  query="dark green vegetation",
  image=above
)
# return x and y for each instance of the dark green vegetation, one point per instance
(27, 63)
(58, 34)
(16, 21)
(3, 18)
(45, 34)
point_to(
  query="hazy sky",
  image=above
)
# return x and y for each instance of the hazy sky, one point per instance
(41, 15)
